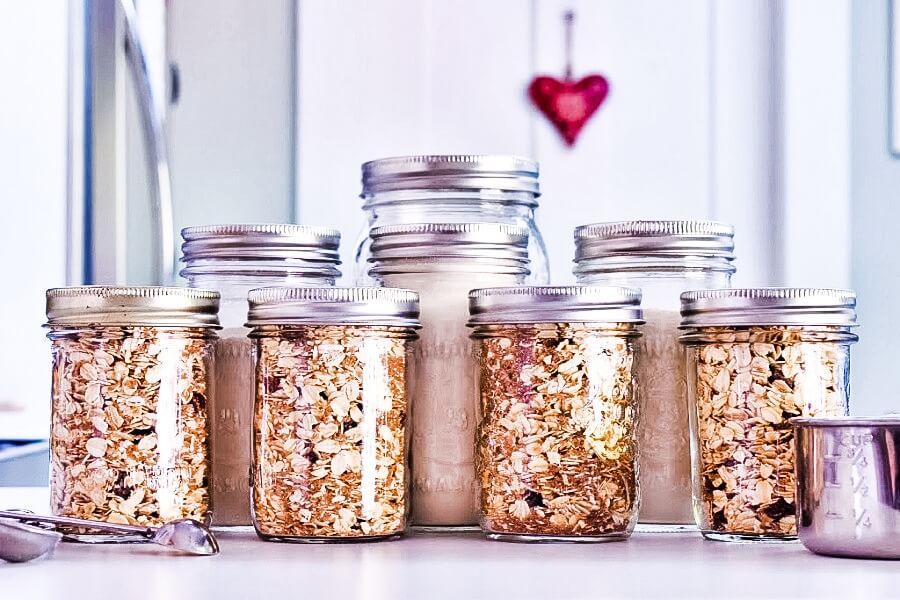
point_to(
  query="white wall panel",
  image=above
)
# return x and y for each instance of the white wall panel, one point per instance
(745, 176)
(875, 214)
(816, 142)
(394, 77)
(33, 183)
(644, 155)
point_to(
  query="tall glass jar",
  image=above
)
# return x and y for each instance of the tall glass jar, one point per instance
(756, 359)
(132, 371)
(452, 189)
(443, 262)
(234, 259)
(330, 423)
(557, 453)
(664, 259)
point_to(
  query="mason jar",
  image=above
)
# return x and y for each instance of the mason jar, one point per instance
(233, 259)
(664, 259)
(331, 414)
(443, 262)
(452, 189)
(557, 452)
(756, 359)
(132, 371)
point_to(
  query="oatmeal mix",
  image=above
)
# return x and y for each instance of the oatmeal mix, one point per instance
(556, 448)
(749, 383)
(129, 425)
(330, 433)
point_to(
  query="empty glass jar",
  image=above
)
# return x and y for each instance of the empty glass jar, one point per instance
(557, 453)
(233, 259)
(129, 427)
(664, 259)
(452, 189)
(756, 359)
(330, 423)
(443, 262)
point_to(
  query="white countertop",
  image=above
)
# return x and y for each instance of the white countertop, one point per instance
(461, 567)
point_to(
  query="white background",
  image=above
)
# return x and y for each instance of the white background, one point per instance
(768, 114)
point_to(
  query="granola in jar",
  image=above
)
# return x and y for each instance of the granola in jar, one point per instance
(556, 447)
(330, 423)
(746, 381)
(129, 426)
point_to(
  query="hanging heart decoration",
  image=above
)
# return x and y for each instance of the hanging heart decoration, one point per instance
(568, 103)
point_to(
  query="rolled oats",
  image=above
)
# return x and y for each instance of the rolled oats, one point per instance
(330, 432)
(128, 440)
(747, 384)
(556, 444)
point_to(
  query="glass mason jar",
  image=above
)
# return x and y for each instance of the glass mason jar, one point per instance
(233, 259)
(756, 359)
(443, 262)
(664, 259)
(452, 189)
(330, 422)
(129, 428)
(557, 453)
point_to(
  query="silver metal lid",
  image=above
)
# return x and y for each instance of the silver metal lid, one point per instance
(663, 239)
(449, 172)
(390, 307)
(132, 306)
(221, 249)
(768, 306)
(888, 420)
(427, 247)
(550, 304)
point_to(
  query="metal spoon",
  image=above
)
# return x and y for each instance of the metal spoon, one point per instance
(20, 542)
(184, 535)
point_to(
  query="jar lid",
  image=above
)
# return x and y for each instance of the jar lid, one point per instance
(220, 249)
(451, 172)
(550, 304)
(428, 247)
(768, 306)
(389, 307)
(132, 306)
(663, 239)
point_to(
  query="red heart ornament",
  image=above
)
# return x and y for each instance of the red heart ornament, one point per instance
(568, 103)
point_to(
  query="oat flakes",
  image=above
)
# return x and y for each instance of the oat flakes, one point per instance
(330, 432)
(747, 384)
(556, 445)
(129, 424)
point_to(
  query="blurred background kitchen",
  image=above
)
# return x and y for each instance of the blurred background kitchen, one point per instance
(775, 116)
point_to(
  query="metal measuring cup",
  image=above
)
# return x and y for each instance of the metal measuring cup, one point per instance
(848, 485)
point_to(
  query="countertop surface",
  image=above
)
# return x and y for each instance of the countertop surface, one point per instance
(461, 567)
